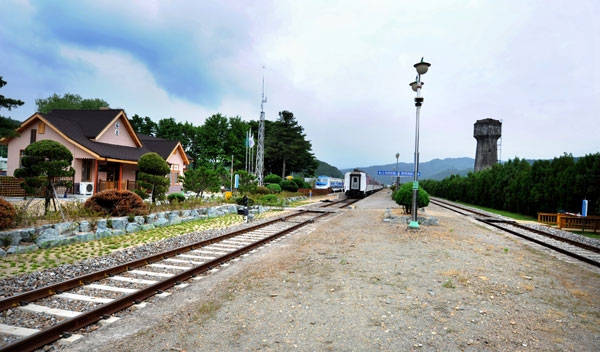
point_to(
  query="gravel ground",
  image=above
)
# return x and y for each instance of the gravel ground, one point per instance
(357, 283)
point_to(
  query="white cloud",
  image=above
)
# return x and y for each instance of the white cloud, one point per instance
(342, 68)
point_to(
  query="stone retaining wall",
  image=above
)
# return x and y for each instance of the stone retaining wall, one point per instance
(53, 235)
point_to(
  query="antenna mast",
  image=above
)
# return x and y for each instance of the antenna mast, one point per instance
(260, 149)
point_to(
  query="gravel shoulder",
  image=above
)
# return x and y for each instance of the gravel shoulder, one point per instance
(357, 283)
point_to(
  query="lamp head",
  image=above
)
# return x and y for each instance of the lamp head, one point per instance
(416, 85)
(422, 67)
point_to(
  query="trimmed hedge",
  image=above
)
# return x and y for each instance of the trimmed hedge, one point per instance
(117, 203)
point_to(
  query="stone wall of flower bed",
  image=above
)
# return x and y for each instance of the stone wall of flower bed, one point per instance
(52, 235)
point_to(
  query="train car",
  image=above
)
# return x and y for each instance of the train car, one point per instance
(326, 182)
(357, 184)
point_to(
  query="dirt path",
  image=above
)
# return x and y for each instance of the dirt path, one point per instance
(357, 283)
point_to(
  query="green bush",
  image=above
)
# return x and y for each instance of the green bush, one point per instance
(117, 203)
(240, 200)
(176, 198)
(262, 190)
(269, 199)
(141, 193)
(289, 186)
(272, 178)
(7, 214)
(300, 183)
(403, 196)
(152, 175)
(274, 188)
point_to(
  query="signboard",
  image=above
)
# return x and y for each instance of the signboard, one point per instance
(584, 207)
(387, 173)
(409, 173)
(395, 173)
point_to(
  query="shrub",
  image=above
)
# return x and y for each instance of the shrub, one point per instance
(7, 214)
(269, 199)
(141, 193)
(289, 186)
(300, 183)
(262, 190)
(403, 196)
(176, 198)
(272, 178)
(152, 175)
(240, 201)
(274, 188)
(117, 203)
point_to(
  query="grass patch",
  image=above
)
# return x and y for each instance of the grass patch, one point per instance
(508, 214)
(595, 235)
(207, 310)
(52, 257)
(448, 284)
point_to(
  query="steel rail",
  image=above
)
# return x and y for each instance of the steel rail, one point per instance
(495, 223)
(516, 224)
(545, 244)
(346, 203)
(50, 290)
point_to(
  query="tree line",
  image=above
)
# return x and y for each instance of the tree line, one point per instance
(525, 187)
(211, 145)
(219, 138)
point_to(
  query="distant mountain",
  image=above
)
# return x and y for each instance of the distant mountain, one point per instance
(328, 170)
(436, 169)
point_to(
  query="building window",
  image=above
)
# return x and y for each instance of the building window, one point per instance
(21, 154)
(174, 177)
(41, 128)
(33, 136)
(86, 170)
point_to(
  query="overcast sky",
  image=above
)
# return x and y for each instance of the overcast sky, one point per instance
(342, 67)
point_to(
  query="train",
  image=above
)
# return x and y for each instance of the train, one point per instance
(357, 184)
(326, 182)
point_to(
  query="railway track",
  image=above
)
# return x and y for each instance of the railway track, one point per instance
(338, 203)
(575, 246)
(36, 318)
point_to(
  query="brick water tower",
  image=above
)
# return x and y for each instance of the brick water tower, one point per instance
(487, 132)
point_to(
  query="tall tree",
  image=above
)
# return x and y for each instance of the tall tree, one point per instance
(191, 141)
(68, 102)
(169, 129)
(286, 147)
(236, 141)
(213, 140)
(143, 125)
(8, 125)
(201, 179)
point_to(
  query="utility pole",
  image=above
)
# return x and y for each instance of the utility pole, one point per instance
(260, 150)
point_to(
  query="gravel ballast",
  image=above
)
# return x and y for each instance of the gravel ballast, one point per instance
(357, 283)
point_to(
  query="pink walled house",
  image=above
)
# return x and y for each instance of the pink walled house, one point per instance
(104, 145)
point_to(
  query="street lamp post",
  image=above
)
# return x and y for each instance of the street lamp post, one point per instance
(397, 171)
(422, 68)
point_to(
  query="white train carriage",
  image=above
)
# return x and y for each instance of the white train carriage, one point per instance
(357, 184)
(326, 182)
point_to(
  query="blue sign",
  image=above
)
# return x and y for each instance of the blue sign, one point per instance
(387, 173)
(584, 207)
(395, 173)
